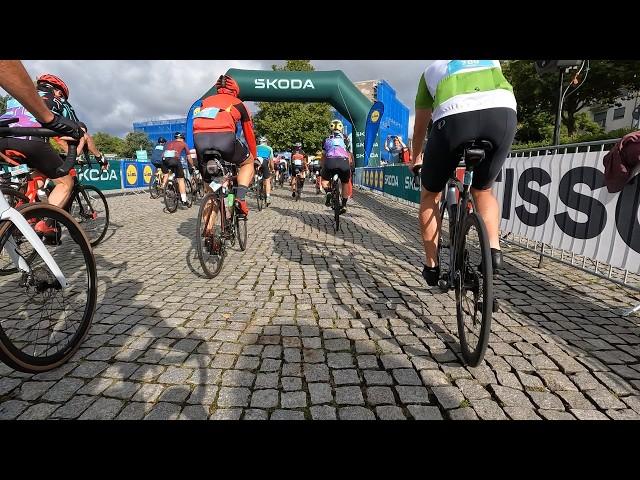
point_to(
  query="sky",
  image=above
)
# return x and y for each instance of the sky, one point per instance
(109, 95)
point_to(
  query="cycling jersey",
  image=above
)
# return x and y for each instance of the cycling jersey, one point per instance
(334, 147)
(176, 149)
(221, 113)
(265, 152)
(297, 159)
(455, 86)
(156, 155)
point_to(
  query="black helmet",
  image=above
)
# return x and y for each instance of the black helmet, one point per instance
(162, 140)
(178, 135)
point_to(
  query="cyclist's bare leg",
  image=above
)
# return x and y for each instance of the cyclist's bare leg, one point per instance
(165, 179)
(181, 188)
(489, 210)
(62, 191)
(429, 218)
(246, 172)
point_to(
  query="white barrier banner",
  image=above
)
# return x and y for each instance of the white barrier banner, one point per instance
(561, 200)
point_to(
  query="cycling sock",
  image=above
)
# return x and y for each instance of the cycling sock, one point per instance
(240, 191)
(183, 197)
(496, 259)
(344, 202)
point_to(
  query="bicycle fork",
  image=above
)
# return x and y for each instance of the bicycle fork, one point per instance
(21, 223)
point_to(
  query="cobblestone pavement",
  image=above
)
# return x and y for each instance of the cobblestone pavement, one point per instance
(307, 324)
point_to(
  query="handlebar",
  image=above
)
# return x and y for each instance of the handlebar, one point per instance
(44, 132)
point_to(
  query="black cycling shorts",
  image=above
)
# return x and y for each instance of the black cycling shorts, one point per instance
(38, 154)
(231, 149)
(339, 165)
(266, 173)
(173, 164)
(441, 153)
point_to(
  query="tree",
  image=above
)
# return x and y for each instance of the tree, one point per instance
(606, 82)
(135, 141)
(106, 143)
(284, 123)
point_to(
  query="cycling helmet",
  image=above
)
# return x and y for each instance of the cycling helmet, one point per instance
(336, 126)
(83, 126)
(178, 135)
(262, 139)
(226, 84)
(297, 146)
(162, 140)
(56, 82)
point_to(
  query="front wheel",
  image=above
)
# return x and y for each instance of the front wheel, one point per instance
(91, 210)
(473, 280)
(43, 324)
(154, 187)
(241, 231)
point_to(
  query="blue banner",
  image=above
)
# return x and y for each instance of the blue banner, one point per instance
(373, 177)
(189, 133)
(131, 174)
(371, 128)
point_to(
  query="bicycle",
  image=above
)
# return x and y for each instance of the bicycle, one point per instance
(87, 204)
(172, 193)
(37, 297)
(227, 224)
(258, 187)
(468, 269)
(197, 185)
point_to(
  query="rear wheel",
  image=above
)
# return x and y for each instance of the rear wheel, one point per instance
(259, 189)
(473, 281)
(91, 210)
(209, 241)
(171, 197)
(154, 187)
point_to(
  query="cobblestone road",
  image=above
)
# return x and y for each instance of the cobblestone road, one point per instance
(307, 324)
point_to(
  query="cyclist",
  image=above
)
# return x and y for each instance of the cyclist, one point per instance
(466, 100)
(281, 166)
(299, 166)
(316, 168)
(265, 152)
(336, 159)
(158, 150)
(35, 109)
(214, 127)
(172, 156)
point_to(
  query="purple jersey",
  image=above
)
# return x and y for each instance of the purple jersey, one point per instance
(335, 147)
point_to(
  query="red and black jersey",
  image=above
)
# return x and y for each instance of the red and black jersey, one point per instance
(178, 146)
(221, 113)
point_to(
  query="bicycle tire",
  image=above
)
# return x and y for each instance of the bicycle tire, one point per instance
(337, 203)
(241, 231)
(200, 237)
(78, 199)
(465, 268)
(154, 187)
(10, 353)
(188, 190)
(259, 199)
(171, 197)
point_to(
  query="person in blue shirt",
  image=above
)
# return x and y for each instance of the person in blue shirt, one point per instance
(265, 152)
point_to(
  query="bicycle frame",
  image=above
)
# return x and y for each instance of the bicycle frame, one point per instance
(12, 215)
(458, 209)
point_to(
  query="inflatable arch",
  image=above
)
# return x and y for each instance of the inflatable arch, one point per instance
(332, 87)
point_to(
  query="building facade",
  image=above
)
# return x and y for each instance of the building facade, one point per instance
(620, 115)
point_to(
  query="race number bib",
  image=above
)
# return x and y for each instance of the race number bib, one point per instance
(297, 162)
(209, 112)
(170, 154)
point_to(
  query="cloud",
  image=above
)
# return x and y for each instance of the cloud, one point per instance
(109, 95)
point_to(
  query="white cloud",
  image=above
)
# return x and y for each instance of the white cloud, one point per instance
(109, 95)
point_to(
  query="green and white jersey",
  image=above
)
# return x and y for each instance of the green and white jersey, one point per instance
(455, 86)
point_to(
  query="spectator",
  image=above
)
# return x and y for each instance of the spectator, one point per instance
(395, 146)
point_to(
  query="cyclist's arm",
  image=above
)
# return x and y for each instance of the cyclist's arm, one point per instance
(15, 80)
(247, 128)
(424, 105)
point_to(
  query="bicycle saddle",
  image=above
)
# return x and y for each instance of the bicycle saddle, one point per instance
(474, 151)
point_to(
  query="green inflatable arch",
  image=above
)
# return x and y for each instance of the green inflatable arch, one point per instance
(331, 86)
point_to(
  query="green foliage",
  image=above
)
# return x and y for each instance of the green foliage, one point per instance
(607, 81)
(135, 141)
(108, 143)
(3, 103)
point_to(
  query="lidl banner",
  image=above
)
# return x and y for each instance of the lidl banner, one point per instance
(148, 171)
(131, 173)
(373, 178)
